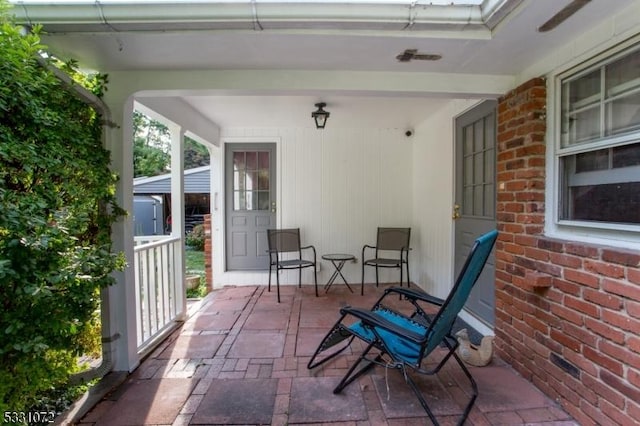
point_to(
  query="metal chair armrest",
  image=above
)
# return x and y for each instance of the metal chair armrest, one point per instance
(415, 295)
(371, 319)
(366, 246)
(312, 248)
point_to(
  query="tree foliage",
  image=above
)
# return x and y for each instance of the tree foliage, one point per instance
(195, 154)
(152, 148)
(57, 205)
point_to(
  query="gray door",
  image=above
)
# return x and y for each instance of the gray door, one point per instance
(475, 198)
(250, 187)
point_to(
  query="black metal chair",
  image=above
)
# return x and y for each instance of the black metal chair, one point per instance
(285, 252)
(405, 341)
(389, 240)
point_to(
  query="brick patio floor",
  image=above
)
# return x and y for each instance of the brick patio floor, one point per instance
(242, 359)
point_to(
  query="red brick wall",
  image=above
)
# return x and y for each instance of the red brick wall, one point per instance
(207, 252)
(567, 313)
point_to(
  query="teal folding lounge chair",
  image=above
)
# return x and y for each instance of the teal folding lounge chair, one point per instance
(404, 341)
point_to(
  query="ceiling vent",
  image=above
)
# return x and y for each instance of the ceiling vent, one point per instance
(413, 55)
(563, 15)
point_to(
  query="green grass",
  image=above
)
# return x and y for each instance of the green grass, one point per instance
(195, 265)
(194, 262)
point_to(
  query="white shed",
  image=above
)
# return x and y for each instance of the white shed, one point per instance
(152, 206)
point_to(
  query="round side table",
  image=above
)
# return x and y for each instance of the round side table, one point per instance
(337, 260)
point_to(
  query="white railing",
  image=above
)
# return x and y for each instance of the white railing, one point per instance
(146, 239)
(159, 287)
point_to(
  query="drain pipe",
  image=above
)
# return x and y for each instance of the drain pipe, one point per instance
(108, 349)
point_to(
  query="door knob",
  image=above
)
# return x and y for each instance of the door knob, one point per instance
(456, 212)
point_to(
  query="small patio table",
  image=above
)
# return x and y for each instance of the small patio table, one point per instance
(337, 260)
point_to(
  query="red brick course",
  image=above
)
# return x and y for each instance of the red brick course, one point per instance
(207, 252)
(567, 313)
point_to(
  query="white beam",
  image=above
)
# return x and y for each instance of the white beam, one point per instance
(179, 112)
(287, 82)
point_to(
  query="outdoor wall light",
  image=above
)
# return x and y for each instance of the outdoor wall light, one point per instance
(320, 115)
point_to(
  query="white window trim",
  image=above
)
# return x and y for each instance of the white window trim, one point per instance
(617, 235)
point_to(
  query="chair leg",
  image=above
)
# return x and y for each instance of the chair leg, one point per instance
(315, 278)
(278, 283)
(474, 389)
(377, 281)
(299, 277)
(421, 399)
(472, 382)
(352, 374)
(269, 287)
(362, 285)
(336, 335)
(408, 279)
(400, 273)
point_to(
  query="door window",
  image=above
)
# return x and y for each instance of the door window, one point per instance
(478, 181)
(251, 185)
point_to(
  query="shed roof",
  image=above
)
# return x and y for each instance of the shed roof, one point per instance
(196, 181)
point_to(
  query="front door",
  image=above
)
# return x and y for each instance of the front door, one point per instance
(475, 198)
(250, 188)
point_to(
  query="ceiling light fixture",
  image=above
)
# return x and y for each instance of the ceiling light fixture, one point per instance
(320, 115)
(563, 15)
(413, 55)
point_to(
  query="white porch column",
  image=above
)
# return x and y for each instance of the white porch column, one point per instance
(177, 211)
(217, 203)
(118, 300)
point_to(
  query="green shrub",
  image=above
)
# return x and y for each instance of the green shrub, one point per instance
(57, 205)
(196, 238)
(200, 291)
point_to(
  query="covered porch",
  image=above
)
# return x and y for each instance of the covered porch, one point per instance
(241, 358)
(565, 312)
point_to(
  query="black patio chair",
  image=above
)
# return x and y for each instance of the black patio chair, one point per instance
(391, 251)
(404, 341)
(285, 252)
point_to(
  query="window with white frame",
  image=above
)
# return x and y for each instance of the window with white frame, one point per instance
(599, 149)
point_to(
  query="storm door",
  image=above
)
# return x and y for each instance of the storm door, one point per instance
(474, 211)
(250, 188)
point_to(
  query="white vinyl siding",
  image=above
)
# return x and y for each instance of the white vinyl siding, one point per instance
(337, 186)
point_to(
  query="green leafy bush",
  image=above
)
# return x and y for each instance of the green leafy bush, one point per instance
(196, 237)
(57, 205)
(200, 291)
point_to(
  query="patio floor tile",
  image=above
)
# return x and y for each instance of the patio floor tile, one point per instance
(320, 318)
(258, 344)
(147, 402)
(398, 401)
(241, 359)
(231, 401)
(501, 390)
(313, 401)
(267, 320)
(226, 305)
(211, 321)
(198, 346)
(308, 341)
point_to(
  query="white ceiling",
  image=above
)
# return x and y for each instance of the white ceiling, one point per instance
(346, 111)
(512, 45)
(509, 47)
